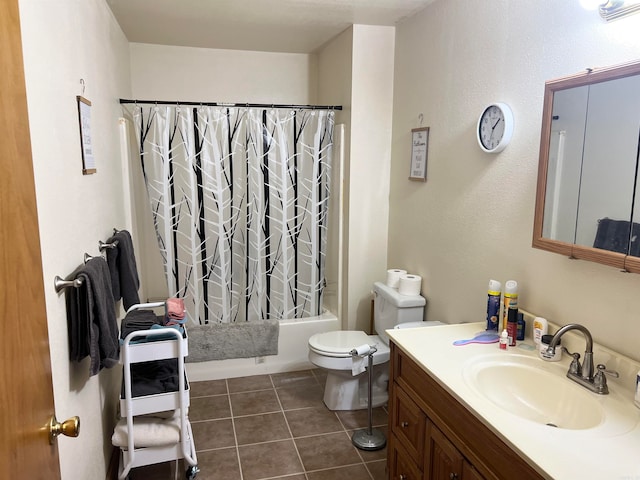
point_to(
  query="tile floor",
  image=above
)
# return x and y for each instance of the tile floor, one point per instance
(274, 427)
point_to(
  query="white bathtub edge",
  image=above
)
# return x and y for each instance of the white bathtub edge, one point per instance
(292, 352)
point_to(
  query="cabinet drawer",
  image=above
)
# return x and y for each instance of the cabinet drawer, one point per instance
(408, 423)
(410, 376)
(401, 465)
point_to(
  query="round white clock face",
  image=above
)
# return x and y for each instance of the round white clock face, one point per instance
(495, 127)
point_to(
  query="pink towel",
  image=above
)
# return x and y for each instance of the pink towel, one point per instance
(175, 309)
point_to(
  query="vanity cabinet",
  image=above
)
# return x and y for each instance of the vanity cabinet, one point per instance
(434, 437)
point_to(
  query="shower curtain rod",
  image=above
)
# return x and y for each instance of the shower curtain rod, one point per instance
(223, 104)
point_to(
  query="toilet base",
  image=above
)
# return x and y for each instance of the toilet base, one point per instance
(343, 391)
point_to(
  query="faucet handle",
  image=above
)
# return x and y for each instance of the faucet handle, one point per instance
(575, 367)
(600, 381)
(603, 369)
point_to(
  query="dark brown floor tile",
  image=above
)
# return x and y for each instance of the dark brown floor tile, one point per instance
(327, 451)
(291, 477)
(373, 455)
(354, 419)
(320, 374)
(249, 384)
(378, 470)
(219, 464)
(352, 472)
(213, 434)
(205, 389)
(312, 421)
(300, 397)
(271, 459)
(208, 408)
(253, 403)
(294, 379)
(261, 428)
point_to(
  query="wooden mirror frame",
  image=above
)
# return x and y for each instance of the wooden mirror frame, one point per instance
(590, 76)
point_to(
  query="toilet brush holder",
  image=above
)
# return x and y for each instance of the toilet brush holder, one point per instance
(369, 438)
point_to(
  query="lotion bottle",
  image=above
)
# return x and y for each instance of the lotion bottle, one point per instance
(540, 328)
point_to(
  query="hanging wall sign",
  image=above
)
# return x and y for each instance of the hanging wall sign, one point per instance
(419, 148)
(84, 119)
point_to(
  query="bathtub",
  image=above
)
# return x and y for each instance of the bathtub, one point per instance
(292, 352)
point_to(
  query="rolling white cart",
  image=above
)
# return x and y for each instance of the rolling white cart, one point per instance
(168, 435)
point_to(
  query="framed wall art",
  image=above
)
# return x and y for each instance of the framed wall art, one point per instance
(84, 119)
(419, 149)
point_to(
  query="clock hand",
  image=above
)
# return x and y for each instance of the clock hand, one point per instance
(495, 124)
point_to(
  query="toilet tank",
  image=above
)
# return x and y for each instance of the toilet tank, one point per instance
(391, 308)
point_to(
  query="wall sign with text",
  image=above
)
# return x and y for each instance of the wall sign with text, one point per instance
(419, 148)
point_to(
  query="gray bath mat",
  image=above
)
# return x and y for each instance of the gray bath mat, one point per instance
(222, 341)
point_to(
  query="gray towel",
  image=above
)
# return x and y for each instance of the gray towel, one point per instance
(616, 236)
(94, 312)
(124, 272)
(220, 341)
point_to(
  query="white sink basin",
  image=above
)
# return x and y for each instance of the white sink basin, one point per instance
(534, 390)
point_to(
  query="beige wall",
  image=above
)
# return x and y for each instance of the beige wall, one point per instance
(356, 71)
(63, 42)
(161, 72)
(334, 88)
(368, 172)
(473, 219)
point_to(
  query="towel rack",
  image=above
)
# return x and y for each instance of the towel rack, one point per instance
(102, 246)
(59, 283)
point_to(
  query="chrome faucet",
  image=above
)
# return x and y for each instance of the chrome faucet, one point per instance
(583, 374)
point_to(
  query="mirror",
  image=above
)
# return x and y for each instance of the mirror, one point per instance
(588, 167)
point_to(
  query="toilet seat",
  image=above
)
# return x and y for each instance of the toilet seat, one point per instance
(338, 343)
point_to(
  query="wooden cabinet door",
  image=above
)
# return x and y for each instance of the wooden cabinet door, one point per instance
(408, 423)
(470, 473)
(443, 460)
(401, 465)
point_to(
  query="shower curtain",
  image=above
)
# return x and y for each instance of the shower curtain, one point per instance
(239, 198)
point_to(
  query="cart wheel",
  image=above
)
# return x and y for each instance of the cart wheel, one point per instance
(192, 472)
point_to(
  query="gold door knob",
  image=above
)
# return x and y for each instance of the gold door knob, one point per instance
(69, 428)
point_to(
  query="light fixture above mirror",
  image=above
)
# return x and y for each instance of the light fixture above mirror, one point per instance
(612, 9)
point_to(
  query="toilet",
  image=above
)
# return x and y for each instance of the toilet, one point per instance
(347, 382)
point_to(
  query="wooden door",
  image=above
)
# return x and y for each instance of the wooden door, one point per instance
(26, 395)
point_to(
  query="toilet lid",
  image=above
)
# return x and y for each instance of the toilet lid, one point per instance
(339, 342)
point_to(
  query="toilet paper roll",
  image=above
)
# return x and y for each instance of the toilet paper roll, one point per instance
(393, 277)
(410, 285)
(361, 350)
(358, 359)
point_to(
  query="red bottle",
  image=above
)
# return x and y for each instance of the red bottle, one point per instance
(512, 324)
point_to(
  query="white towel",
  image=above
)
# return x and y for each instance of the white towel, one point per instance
(147, 432)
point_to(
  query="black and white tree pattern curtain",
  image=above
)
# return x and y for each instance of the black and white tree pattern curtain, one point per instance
(240, 200)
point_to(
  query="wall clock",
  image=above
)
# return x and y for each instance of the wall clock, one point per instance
(495, 127)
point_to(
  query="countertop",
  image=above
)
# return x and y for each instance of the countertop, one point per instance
(610, 450)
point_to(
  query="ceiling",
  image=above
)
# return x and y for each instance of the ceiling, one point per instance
(294, 26)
